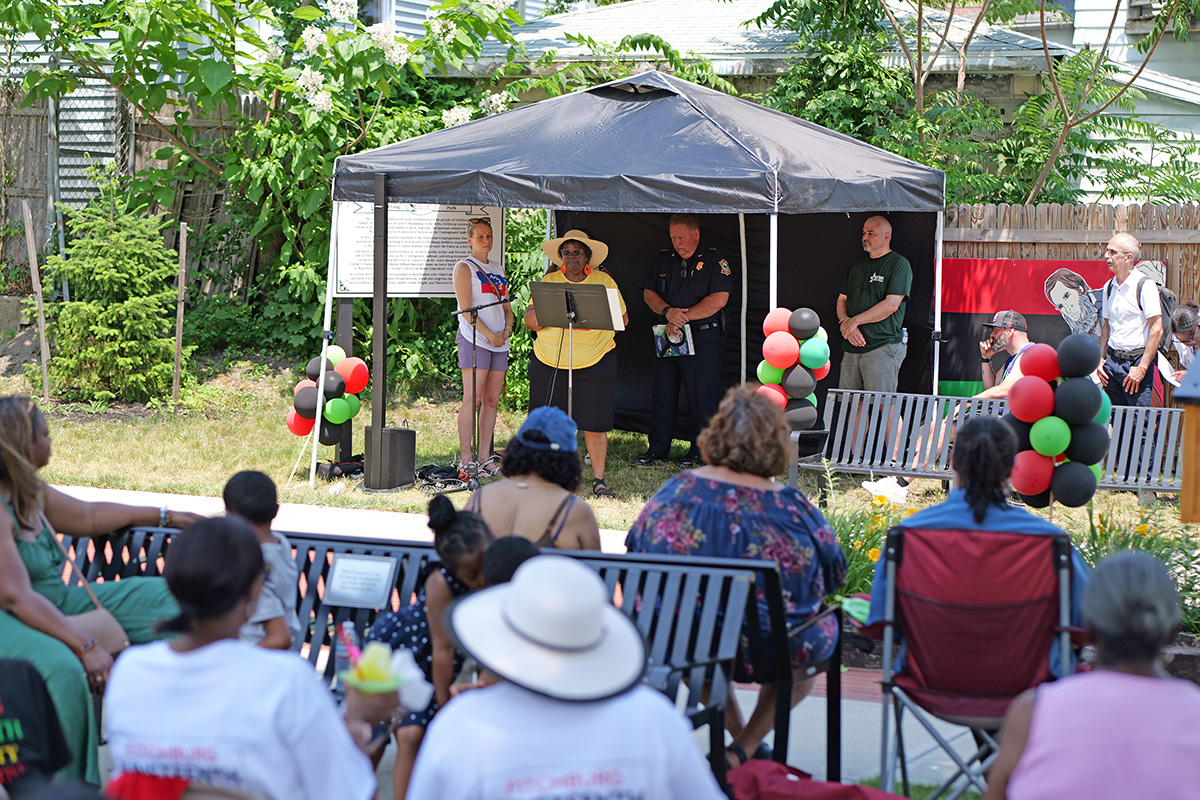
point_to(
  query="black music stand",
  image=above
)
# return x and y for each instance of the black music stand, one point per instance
(570, 306)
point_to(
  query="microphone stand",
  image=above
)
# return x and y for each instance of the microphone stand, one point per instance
(572, 315)
(472, 467)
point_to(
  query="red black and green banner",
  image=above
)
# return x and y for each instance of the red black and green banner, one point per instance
(1046, 292)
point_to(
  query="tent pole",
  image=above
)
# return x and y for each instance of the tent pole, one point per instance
(937, 299)
(326, 335)
(745, 289)
(773, 291)
(373, 479)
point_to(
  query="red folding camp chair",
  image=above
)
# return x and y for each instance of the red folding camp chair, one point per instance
(978, 612)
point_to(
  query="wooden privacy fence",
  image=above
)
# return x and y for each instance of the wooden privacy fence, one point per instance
(1168, 233)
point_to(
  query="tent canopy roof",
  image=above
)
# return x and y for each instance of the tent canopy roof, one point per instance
(648, 143)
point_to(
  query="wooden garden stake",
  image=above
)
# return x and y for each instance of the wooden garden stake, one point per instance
(179, 312)
(37, 294)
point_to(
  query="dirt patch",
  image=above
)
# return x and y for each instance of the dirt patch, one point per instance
(18, 351)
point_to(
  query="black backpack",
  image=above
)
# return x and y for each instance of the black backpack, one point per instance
(1167, 301)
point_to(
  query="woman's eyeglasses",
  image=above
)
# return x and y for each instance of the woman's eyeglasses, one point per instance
(570, 252)
(477, 220)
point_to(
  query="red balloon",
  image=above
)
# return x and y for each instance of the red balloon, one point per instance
(774, 392)
(302, 384)
(776, 321)
(821, 372)
(1032, 472)
(1061, 458)
(1040, 360)
(298, 424)
(354, 370)
(1030, 399)
(781, 350)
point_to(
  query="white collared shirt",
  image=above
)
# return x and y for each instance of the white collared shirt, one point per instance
(1128, 327)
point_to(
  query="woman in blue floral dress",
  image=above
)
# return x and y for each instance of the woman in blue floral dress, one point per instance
(731, 508)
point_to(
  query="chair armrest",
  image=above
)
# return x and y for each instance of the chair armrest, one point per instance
(813, 620)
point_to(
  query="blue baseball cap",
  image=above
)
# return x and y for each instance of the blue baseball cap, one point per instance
(554, 425)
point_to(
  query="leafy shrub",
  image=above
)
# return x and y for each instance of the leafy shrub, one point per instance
(862, 533)
(114, 339)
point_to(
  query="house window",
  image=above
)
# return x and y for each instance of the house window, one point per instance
(1140, 19)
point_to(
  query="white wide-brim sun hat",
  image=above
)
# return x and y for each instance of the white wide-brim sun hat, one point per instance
(599, 248)
(553, 631)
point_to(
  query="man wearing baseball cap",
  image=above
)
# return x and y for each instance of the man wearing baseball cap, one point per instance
(569, 717)
(1008, 333)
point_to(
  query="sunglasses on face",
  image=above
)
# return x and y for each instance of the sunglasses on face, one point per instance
(477, 220)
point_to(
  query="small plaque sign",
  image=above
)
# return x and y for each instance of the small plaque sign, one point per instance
(358, 581)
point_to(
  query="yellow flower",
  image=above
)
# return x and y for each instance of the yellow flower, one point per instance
(873, 554)
(1143, 529)
(858, 544)
(911, 511)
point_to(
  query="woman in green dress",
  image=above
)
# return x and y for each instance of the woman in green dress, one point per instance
(35, 601)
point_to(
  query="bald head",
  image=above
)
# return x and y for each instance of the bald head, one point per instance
(877, 237)
(1122, 253)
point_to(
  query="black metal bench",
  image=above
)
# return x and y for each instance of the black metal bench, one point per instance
(689, 610)
(902, 434)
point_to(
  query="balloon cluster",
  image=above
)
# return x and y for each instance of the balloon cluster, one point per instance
(1062, 430)
(795, 357)
(344, 379)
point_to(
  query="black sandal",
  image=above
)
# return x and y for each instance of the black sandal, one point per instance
(599, 489)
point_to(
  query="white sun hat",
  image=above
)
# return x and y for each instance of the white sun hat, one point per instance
(553, 631)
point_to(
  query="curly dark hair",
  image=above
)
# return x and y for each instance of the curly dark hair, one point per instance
(556, 466)
(984, 451)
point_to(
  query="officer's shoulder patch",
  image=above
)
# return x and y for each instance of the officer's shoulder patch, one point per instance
(724, 267)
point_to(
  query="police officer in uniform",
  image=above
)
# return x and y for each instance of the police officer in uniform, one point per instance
(686, 285)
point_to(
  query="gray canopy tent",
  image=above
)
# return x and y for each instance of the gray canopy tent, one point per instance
(655, 144)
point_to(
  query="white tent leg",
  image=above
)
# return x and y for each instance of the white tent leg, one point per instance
(325, 336)
(773, 292)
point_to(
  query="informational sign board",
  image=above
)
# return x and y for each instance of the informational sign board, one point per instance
(424, 244)
(357, 581)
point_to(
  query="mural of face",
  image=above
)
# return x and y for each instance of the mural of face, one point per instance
(1066, 300)
(1154, 270)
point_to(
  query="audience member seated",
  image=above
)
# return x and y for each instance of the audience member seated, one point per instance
(731, 508)
(207, 708)
(568, 717)
(36, 603)
(273, 622)
(1126, 729)
(984, 449)
(537, 499)
(1183, 334)
(503, 556)
(32, 744)
(460, 539)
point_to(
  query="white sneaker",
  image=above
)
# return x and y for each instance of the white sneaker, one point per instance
(889, 489)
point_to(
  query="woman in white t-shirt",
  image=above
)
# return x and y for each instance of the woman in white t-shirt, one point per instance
(482, 343)
(209, 709)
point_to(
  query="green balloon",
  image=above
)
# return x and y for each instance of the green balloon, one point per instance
(823, 334)
(814, 353)
(812, 398)
(337, 410)
(335, 354)
(1050, 436)
(1105, 413)
(1097, 469)
(354, 403)
(768, 374)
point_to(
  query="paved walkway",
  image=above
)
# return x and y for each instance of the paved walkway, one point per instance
(861, 714)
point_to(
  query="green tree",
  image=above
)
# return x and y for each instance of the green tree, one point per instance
(113, 339)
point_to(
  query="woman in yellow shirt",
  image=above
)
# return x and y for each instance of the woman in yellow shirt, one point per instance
(592, 356)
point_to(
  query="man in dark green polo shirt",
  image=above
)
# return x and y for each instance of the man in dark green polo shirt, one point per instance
(870, 312)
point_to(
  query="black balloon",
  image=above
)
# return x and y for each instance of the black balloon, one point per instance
(798, 382)
(330, 432)
(1078, 355)
(1073, 484)
(305, 402)
(1021, 429)
(1089, 442)
(801, 415)
(335, 385)
(1037, 500)
(803, 323)
(313, 370)
(1077, 400)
